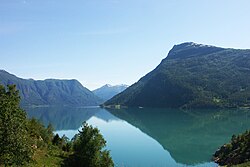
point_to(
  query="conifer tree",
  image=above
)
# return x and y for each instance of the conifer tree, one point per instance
(88, 148)
(14, 144)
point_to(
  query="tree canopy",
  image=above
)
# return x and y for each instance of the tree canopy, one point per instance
(88, 146)
(237, 151)
(22, 138)
(14, 141)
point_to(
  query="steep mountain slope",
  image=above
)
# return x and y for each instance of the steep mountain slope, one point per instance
(50, 91)
(193, 75)
(106, 92)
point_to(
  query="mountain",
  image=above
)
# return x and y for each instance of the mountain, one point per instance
(50, 91)
(107, 91)
(193, 76)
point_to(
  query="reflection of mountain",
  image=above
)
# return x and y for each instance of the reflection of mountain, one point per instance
(105, 115)
(64, 118)
(190, 137)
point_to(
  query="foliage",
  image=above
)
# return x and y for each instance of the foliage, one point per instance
(246, 164)
(62, 142)
(235, 152)
(40, 135)
(88, 147)
(193, 76)
(22, 139)
(15, 148)
(27, 142)
(50, 157)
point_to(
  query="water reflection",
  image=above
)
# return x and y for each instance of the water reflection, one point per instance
(65, 118)
(191, 137)
(152, 137)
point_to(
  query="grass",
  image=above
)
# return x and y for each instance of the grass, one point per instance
(246, 164)
(48, 157)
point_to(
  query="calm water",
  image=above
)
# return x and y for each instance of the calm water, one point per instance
(152, 137)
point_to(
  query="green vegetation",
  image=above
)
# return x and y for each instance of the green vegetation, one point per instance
(88, 150)
(50, 91)
(26, 142)
(247, 164)
(14, 141)
(193, 76)
(235, 152)
(23, 141)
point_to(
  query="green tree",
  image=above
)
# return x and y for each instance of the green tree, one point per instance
(237, 151)
(88, 148)
(57, 140)
(15, 148)
(39, 135)
(50, 133)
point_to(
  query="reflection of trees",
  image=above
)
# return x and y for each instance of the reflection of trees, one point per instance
(65, 118)
(190, 137)
(62, 118)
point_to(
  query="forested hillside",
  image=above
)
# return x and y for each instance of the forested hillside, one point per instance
(50, 91)
(193, 76)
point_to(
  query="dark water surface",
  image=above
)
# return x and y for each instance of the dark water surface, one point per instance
(152, 137)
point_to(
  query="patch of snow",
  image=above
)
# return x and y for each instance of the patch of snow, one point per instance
(108, 85)
(199, 45)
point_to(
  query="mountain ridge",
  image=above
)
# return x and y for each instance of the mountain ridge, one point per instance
(193, 76)
(50, 91)
(107, 91)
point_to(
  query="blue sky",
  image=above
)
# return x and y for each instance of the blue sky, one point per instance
(111, 41)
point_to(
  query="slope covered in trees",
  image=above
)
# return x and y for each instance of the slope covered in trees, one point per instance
(27, 142)
(22, 141)
(50, 91)
(14, 140)
(237, 151)
(193, 76)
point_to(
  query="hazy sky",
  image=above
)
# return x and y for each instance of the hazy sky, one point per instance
(111, 41)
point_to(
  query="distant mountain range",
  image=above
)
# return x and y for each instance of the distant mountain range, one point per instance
(50, 91)
(107, 91)
(193, 76)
